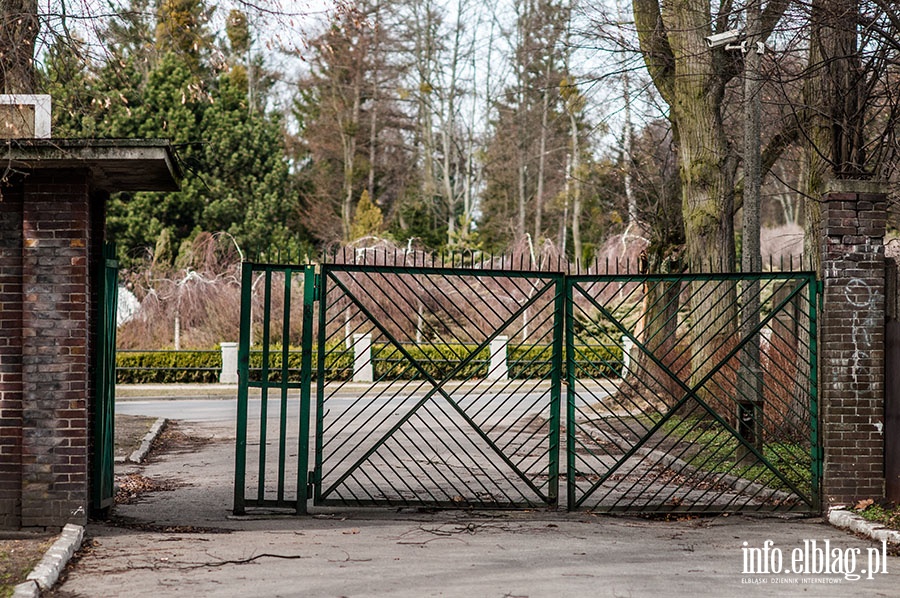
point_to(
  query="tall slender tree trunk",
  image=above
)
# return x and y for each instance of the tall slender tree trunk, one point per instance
(451, 163)
(524, 12)
(627, 137)
(424, 57)
(348, 145)
(836, 118)
(575, 189)
(562, 237)
(521, 191)
(542, 159)
(373, 113)
(373, 139)
(628, 128)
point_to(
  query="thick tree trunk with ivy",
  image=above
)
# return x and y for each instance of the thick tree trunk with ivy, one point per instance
(691, 79)
(18, 30)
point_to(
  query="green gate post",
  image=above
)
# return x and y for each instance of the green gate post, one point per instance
(320, 291)
(570, 398)
(304, 477)
(240, 453)
(558, 308)
(816, 289)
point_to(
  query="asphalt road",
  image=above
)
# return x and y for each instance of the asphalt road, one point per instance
(184, 541)
(219, 402)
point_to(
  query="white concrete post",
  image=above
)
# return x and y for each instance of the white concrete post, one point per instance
(229, 373)
(42, 110)
(627, 346)
(499, 368)
(362, 358)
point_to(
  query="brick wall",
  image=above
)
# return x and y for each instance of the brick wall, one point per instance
(10, 356)
(48, 240)
(852, 343)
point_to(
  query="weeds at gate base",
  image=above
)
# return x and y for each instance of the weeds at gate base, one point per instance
(887, 514)
(792, 460)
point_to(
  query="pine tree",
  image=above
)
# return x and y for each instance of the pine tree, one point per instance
(161, 83)
(368, 220)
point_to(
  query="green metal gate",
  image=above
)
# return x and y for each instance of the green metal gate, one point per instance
(103, 464)
(418, 385)
(438, 386)
(715, 409)
(271, 457)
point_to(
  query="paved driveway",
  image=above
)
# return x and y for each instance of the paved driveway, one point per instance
(183, 541)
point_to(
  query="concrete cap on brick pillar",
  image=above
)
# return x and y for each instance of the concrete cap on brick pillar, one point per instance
(855, 186)
(114, 164)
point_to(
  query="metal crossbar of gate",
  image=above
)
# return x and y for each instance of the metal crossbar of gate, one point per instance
(424, 386)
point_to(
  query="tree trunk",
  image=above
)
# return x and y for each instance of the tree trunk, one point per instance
(542, 160)
(521, 195)
(373, 113)
(662, 300)
(18, 31)
(707, 172)
(348, 144)
(424, 63)
(831, 93)
(449, 132)
(575, 177)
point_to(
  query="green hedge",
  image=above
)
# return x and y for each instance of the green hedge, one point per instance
(591, 361)
(168, 367)
(338, 364)
(525, 362)
(439, 361)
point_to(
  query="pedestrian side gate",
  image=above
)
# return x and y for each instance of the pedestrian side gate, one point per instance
(103, 433)
(416, 385)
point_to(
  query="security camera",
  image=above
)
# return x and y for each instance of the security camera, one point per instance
(723, 39)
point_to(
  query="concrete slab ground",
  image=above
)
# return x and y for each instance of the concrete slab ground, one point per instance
(183, 541)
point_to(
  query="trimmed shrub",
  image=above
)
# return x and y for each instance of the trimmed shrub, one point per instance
(168, 367)
(389, 363)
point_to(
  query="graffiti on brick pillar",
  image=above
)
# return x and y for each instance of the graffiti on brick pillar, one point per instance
(859, 295)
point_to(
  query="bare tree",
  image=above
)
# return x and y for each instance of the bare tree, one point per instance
(19, 27)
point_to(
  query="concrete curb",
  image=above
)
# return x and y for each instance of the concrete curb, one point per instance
(844, 519)
(140, 454)
(28, 589)
(44, 575)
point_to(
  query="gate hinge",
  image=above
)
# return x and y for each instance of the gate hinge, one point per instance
(310, 483)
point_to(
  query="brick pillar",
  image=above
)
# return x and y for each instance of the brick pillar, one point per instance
(10, 356)
(55, 317)
(52, 222)
(49, 227)
(852, 342)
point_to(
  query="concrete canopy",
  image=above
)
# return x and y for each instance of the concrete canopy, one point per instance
(114, 164)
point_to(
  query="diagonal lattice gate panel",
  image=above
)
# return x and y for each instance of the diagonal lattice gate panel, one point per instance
(715, 406)
(437, 387)
(441, 386)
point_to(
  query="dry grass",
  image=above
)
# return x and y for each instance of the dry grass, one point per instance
(17, 558)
